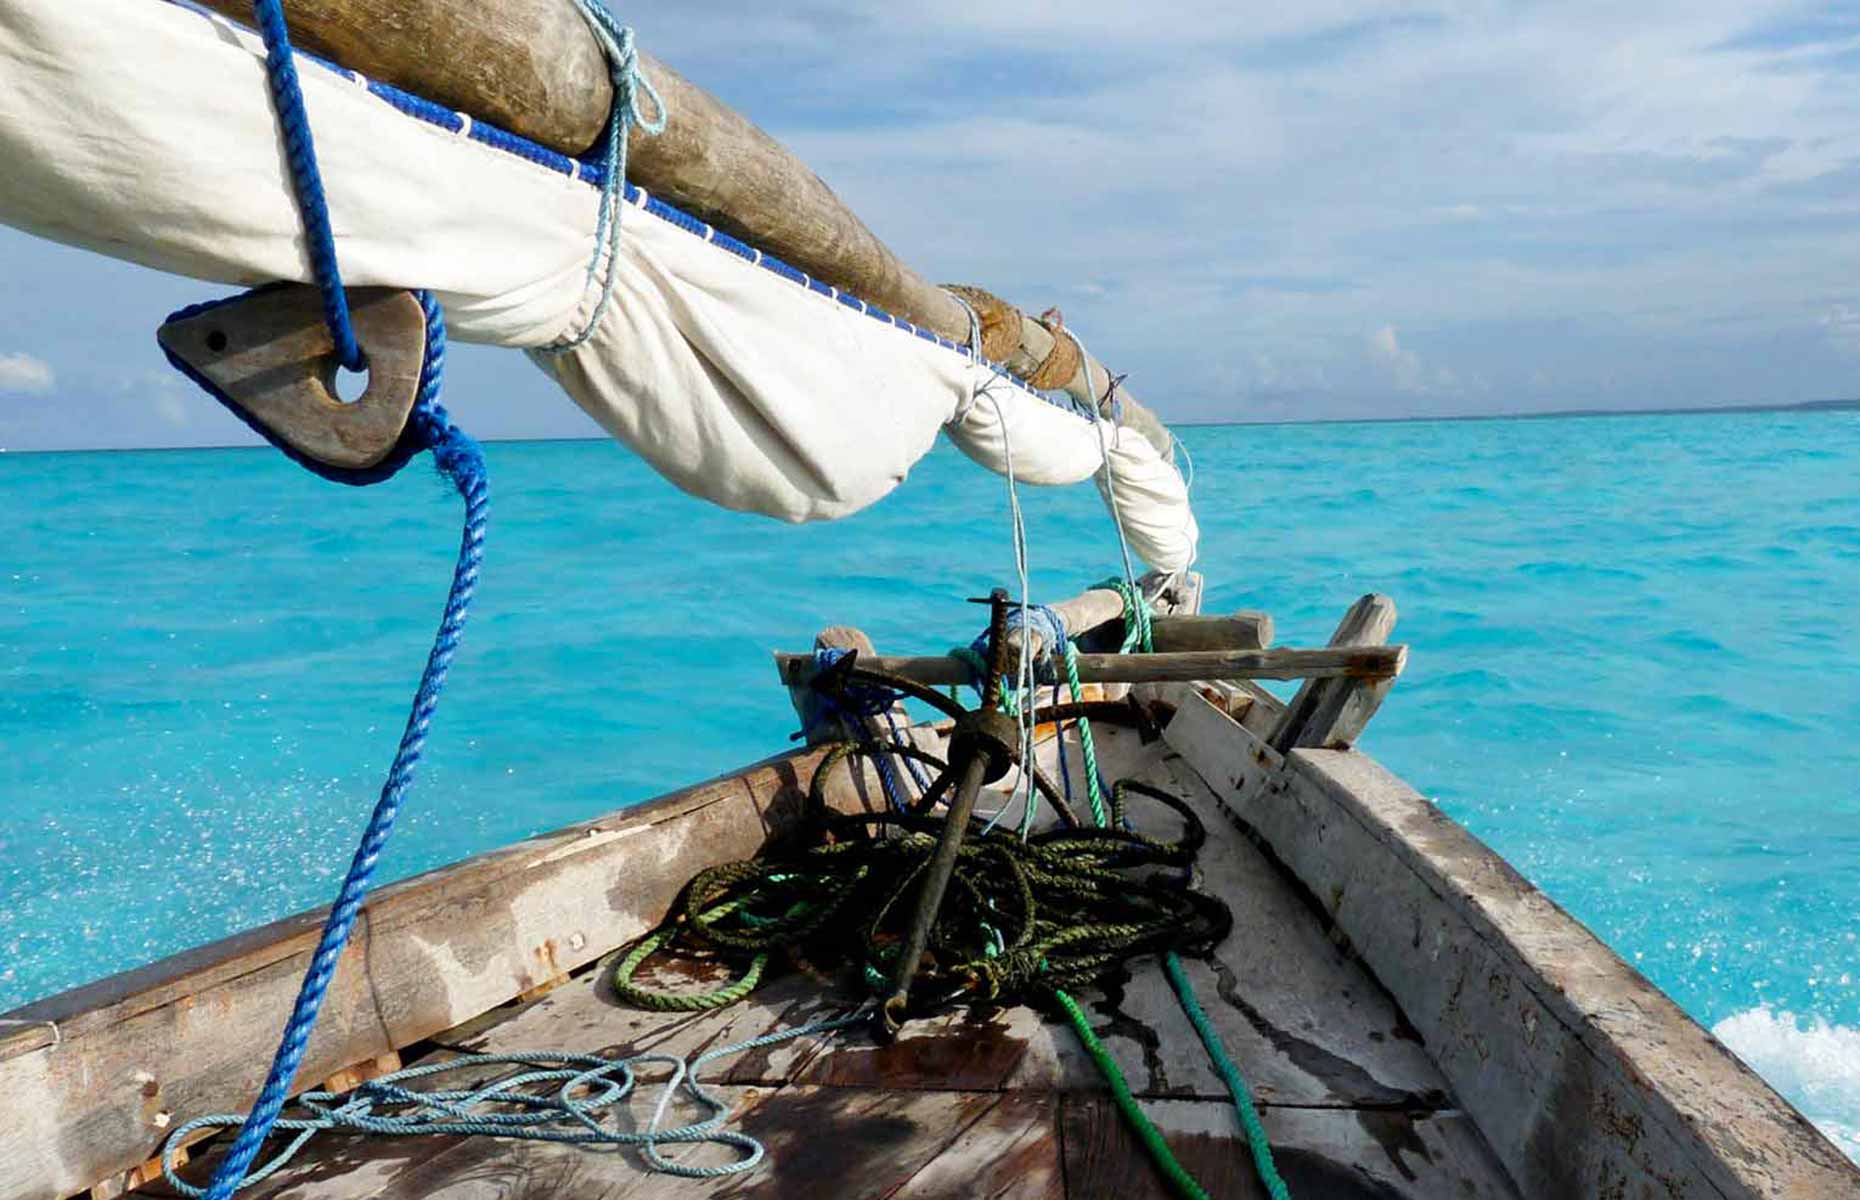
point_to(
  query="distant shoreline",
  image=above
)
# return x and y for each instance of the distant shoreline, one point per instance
(1806, 406)
(1552, 414)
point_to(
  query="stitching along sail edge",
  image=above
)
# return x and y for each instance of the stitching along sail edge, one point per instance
(143, 130)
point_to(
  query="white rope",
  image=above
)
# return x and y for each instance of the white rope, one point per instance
(1110, 478)
(1026, 696)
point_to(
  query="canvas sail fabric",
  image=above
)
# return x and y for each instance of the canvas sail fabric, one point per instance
(144, 130)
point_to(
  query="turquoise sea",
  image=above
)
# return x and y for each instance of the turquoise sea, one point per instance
(1636, 670)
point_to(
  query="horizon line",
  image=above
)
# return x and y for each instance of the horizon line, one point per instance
(1553, 414)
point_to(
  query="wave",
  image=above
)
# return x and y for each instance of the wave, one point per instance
(1815, 1063)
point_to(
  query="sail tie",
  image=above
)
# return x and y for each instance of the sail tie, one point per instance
(626, 114)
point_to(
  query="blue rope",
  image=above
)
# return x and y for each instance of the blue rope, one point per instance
(1039, 618)
(858, 702)
(287, 98)
(461, 461)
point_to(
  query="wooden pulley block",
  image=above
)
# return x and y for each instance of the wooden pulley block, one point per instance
(270, 353)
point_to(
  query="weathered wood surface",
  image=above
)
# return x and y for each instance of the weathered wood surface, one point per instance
(1323, 1154)
(272, 353)
(1341, 662)
(533, 67)
(1585, 1078)
(192, 1034)
(1307, 1025)
(1246, 629)
(1098, 615)
(1331, 713)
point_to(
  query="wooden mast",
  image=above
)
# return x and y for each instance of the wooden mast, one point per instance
(533, 67)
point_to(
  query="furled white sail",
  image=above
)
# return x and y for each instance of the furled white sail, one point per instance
(144, 130)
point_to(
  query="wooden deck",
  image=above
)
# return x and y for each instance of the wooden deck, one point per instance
(998, 1102)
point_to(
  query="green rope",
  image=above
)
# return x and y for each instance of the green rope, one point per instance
(1058, 909)
(1230, 1075)
(1086, 748)
(1137, 632)
(646, 998)
(1180, 1181)
(1138, 635)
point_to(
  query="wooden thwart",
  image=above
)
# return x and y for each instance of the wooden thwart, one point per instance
(1337, 662)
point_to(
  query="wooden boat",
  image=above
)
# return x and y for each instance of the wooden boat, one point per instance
(1417, 1019)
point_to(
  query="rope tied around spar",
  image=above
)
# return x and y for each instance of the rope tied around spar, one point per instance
(627, 113)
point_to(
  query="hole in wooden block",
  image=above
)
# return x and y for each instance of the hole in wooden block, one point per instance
(217, 341)
(350, 385)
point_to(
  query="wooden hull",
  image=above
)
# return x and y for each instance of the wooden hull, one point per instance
(1416, 1019)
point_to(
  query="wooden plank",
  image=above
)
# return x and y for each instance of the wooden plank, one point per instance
(1327, 712)
(1011, 1152)
(1338, 662)
(1330, 1153)
(819, 1141)
(191, 1034)
(1585, 1078)
(354, 1076)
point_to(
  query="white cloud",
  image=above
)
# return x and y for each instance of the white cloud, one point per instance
(1613, 183)
(1403, 365)
(21, 372)
(1842, 323)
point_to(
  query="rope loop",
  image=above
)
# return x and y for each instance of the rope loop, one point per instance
(627, 113)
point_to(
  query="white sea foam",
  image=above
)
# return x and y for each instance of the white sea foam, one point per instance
(1815, 1063)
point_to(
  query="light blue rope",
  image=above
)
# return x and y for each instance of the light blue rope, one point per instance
(559, 1098)
(629, 85)
(307, 181)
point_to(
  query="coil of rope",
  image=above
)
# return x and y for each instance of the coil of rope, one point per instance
(1061, 908)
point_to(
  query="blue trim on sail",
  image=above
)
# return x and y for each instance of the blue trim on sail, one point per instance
(591, 173)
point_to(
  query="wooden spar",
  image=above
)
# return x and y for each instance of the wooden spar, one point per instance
(1243, 630)
(1336, 662)
(533, 67)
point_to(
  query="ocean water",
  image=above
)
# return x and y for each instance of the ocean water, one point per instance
(1636, 670)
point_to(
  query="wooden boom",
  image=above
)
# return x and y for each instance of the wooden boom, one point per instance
(533, 67)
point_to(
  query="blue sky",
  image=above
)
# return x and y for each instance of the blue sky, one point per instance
(1328, 209)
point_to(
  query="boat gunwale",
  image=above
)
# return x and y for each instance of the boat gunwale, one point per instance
(82, 1010)
(1659, 1069)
